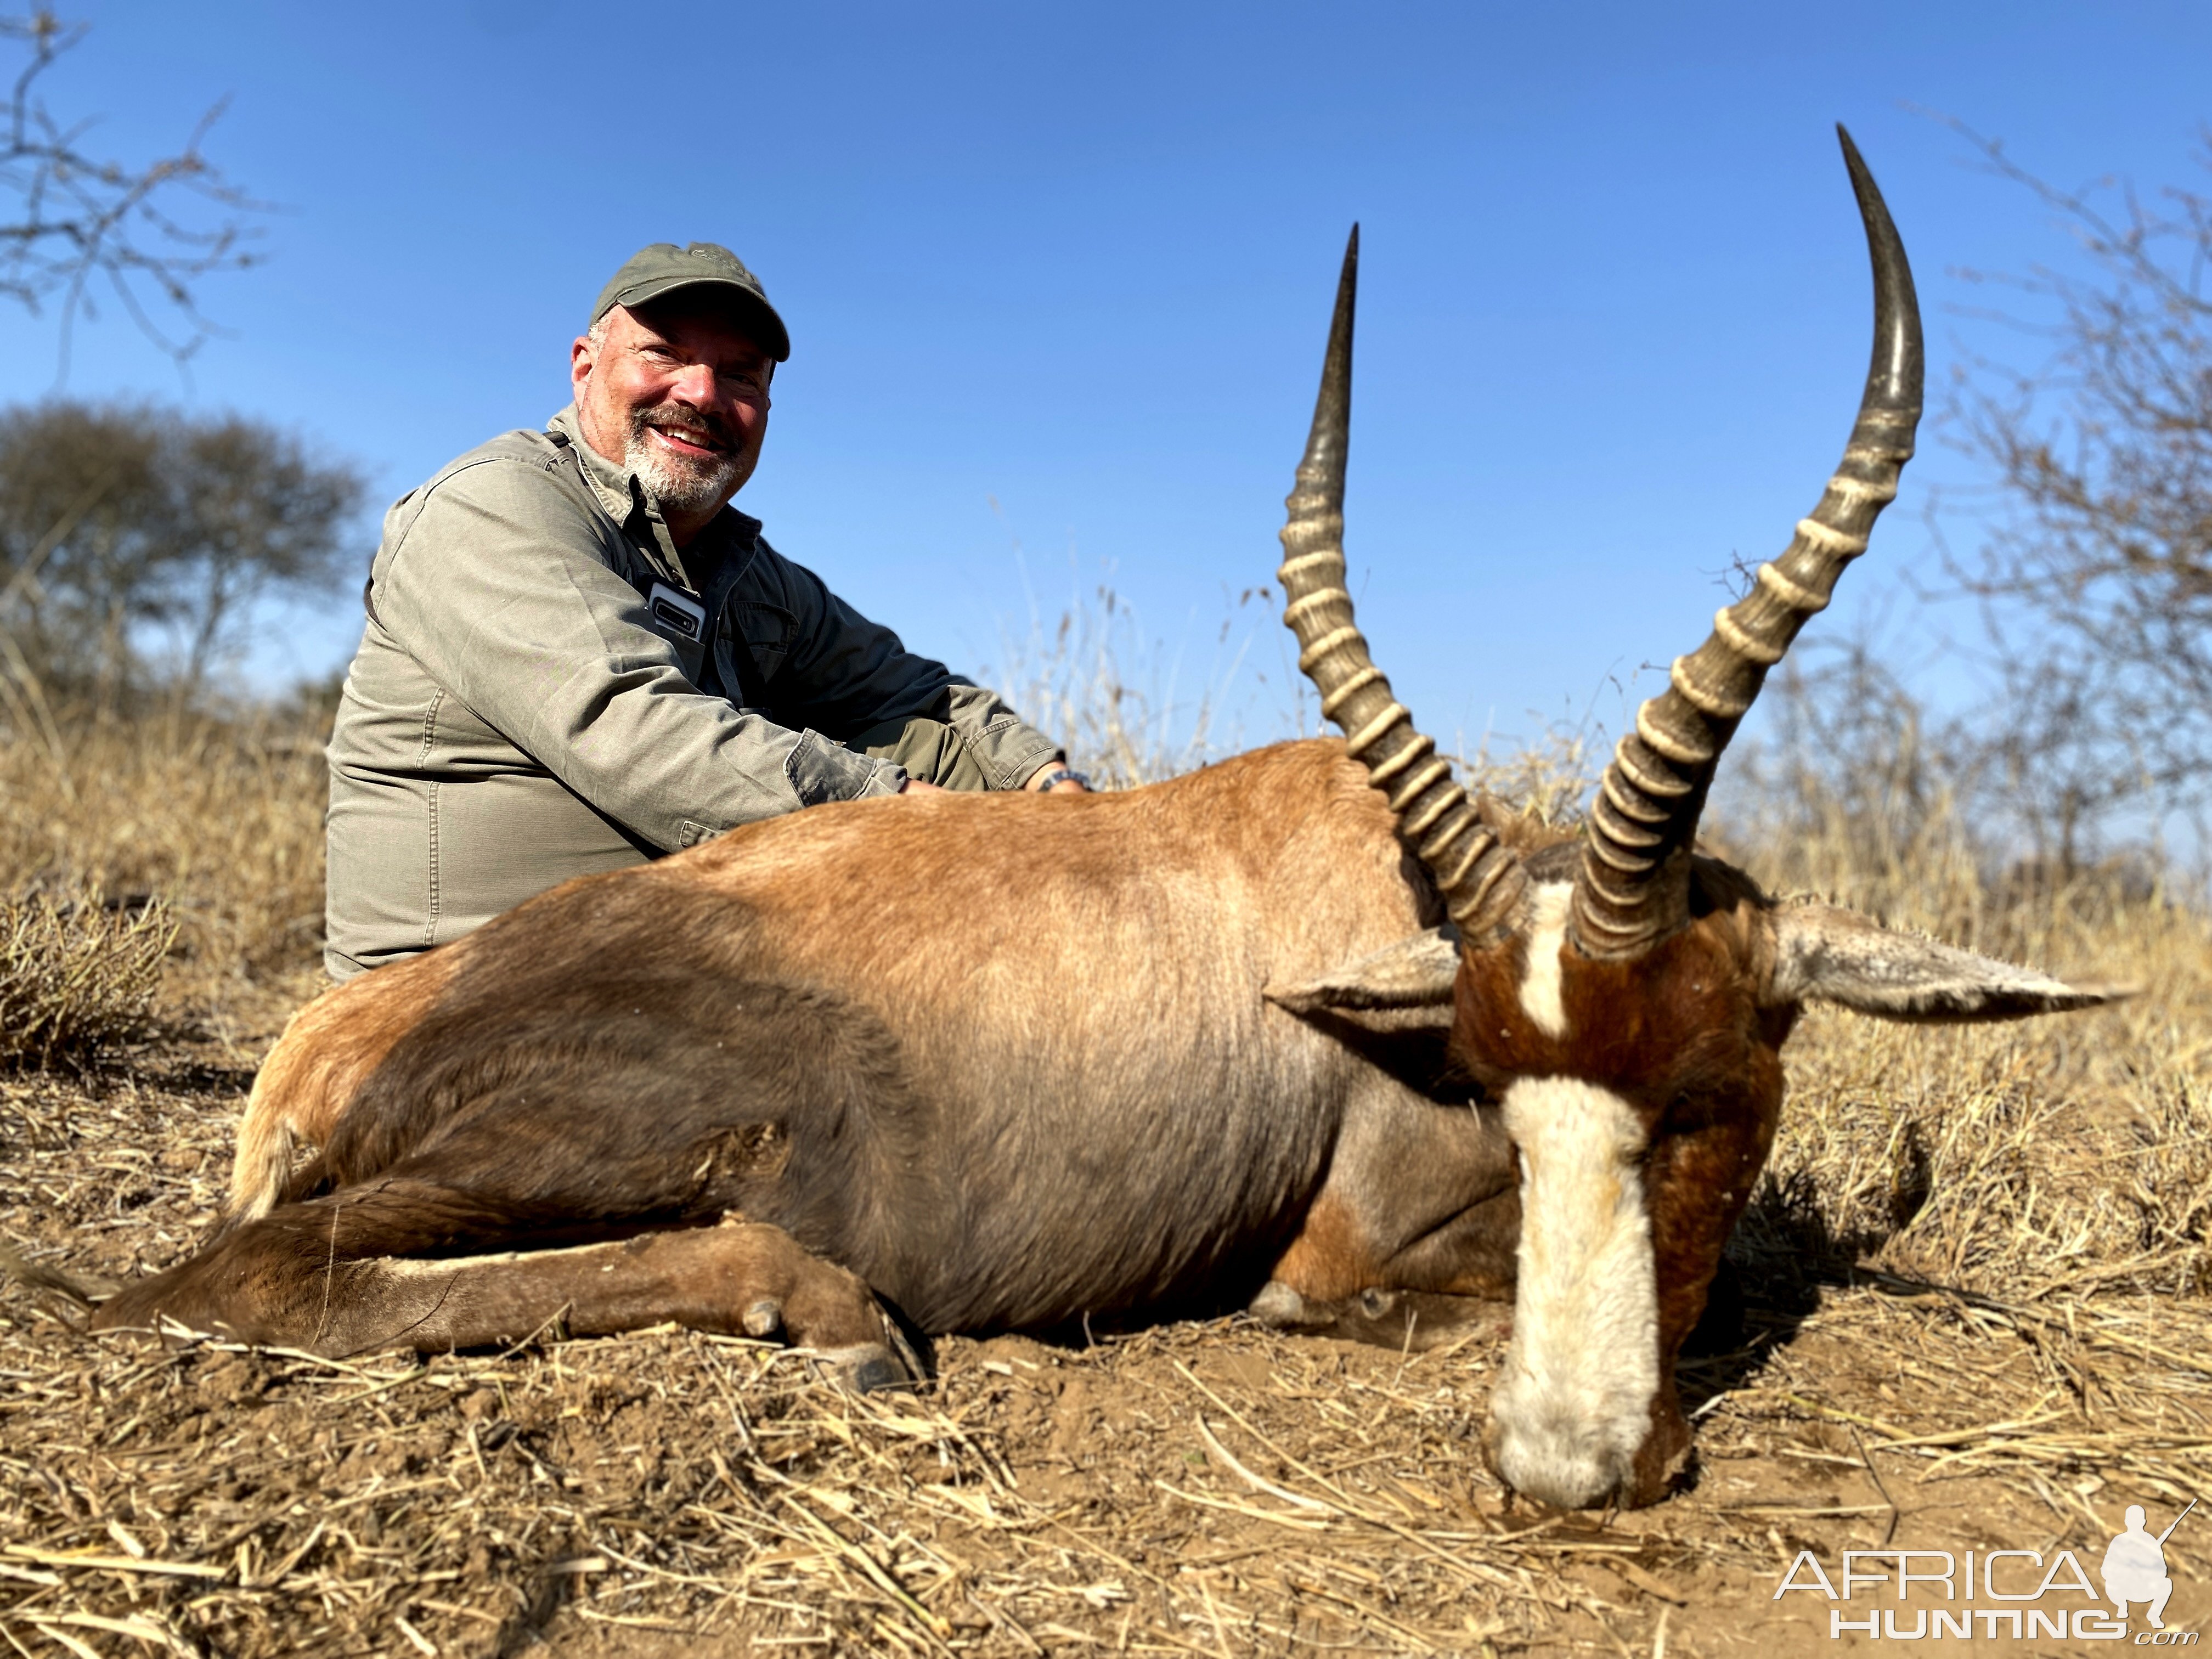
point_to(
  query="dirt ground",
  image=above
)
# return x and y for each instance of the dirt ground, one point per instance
(1208, 1488)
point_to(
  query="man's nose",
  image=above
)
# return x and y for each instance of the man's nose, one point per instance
(695, 385)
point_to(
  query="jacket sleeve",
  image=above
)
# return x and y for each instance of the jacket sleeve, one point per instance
(845, 673)
(502, 589)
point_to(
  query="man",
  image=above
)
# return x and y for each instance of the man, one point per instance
(579, 656)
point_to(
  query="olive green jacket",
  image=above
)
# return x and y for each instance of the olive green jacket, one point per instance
(546, 687)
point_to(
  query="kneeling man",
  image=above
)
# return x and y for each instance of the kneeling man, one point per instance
(2134, 1568)
(579, 656)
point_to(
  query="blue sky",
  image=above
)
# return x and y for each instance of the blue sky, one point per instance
(1077, 262)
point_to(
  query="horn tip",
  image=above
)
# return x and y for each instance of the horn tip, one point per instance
(1852, 159)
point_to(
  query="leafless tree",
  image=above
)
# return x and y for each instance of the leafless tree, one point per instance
(85, 228)
(2094, 563)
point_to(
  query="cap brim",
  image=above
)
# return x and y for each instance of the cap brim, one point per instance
(757, 312)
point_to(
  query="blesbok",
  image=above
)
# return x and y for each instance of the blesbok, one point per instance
(1304, 1027)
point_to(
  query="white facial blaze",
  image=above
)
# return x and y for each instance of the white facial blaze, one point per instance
(1548, 932)
(1574, 1402)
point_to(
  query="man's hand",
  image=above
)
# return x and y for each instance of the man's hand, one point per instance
(916, 787)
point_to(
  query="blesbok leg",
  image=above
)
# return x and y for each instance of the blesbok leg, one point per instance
(1455, 1280)
(1412, 1237)
(312, 1276)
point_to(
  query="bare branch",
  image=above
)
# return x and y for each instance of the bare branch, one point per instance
(2095, 563)
(150, 233)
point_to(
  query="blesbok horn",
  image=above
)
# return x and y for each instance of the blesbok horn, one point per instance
(1633, 888)
(1481, 881)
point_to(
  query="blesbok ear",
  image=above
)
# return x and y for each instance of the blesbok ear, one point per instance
(1842, 956)
(1401, 985)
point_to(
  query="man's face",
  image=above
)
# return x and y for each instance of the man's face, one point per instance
(678, 392)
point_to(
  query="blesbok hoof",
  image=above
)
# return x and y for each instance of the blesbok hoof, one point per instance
(870, 1368)
(1279, 1306)
(763, 1318)
(1409, 1320)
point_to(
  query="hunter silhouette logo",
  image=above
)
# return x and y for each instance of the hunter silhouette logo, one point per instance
(1936, 1593)
(2135, 1567)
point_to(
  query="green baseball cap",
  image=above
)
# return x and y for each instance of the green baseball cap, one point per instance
(664, 267)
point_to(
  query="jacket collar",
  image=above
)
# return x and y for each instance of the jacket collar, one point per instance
(629, 502)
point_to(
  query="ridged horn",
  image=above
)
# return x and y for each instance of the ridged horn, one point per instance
(1480, 880)
(1634, 888)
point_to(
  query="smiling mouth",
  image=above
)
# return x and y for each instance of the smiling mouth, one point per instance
(687, 439)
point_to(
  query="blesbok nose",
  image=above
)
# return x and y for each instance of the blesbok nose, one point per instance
(1574, 1405)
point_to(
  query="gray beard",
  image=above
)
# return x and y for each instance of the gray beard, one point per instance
(688, 486)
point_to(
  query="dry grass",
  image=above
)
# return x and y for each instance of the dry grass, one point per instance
(2053, 1157)
(1967, 1309)
(1131, 709)
(220, 820)
(77, 978)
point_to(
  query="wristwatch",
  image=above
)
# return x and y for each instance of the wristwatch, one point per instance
(1058, 774)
